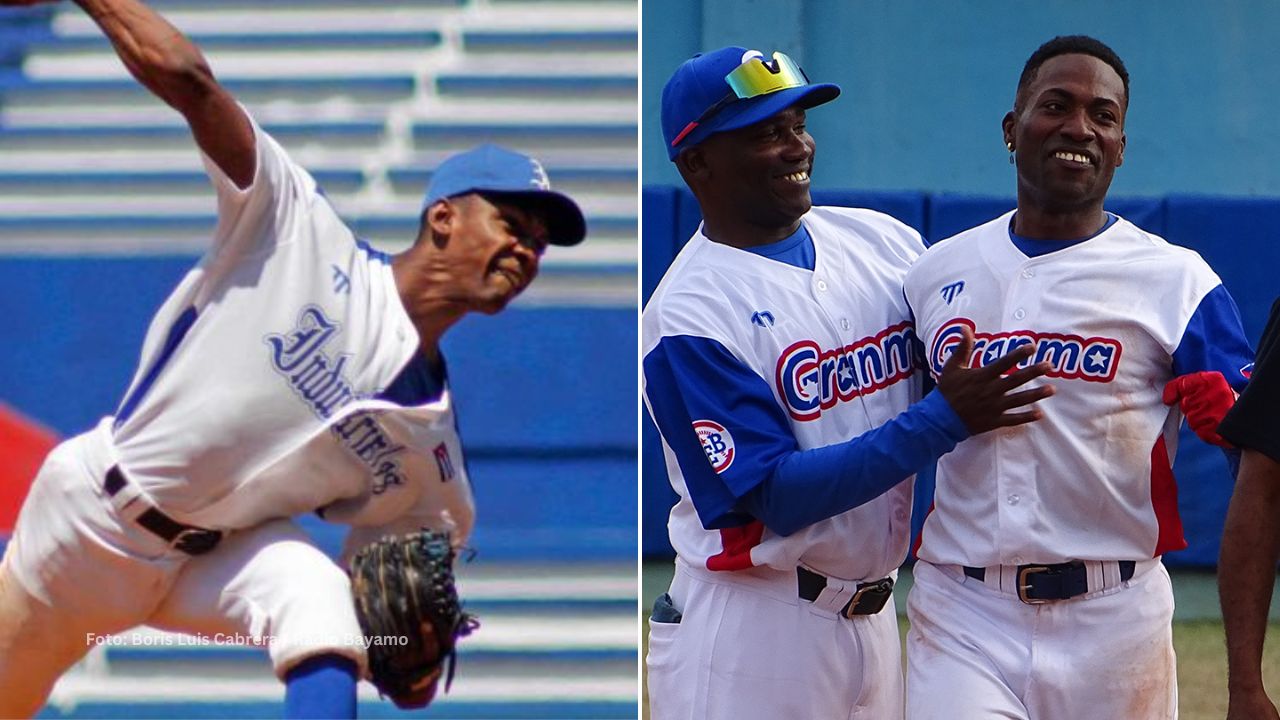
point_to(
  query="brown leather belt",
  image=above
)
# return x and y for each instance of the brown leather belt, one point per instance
(186, 538)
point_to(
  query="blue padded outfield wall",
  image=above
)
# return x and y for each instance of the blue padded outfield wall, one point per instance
(545, 396)
(916, 133)
(926, 82)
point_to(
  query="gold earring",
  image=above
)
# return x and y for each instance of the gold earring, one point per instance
(1010, 146)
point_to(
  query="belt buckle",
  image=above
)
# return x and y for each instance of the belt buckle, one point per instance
(195, 541)
(1024, 585)
(883, 585)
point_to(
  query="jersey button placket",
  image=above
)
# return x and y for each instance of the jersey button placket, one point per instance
(1014, 471)
(826, 301)
(1017, 495)
(1015, 478)
(824, 297)
(1023, 297)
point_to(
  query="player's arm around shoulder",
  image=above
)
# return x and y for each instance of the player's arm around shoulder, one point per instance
(168, 64)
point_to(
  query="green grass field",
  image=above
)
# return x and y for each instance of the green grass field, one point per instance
(1197, 639)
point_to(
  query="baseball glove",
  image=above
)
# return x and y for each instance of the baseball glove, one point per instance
(410, 614)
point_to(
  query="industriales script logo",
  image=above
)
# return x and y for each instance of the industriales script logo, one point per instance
(316, 376)
(300, 357)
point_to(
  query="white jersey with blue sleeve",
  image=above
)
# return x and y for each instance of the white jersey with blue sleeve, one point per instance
(1118, 315)
(284, 375)
(747, 359)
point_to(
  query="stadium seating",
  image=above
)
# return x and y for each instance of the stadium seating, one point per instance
(103, 207)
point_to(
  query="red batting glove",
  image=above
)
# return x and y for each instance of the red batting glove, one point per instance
(1205, 398)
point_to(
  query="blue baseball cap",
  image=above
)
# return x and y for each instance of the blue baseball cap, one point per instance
(490, 169)
(701, 83)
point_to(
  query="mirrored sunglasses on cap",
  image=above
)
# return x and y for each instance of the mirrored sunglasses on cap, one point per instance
(753, 78)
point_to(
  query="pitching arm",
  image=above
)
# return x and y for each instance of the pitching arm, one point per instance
(168, 64)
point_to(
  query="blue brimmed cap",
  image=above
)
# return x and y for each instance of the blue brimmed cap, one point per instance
(492, 169)
(702, 82)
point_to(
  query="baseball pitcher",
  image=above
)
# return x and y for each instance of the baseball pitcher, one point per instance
(294, 369)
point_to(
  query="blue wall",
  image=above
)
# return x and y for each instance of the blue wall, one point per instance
(545, 396)
(926, 84)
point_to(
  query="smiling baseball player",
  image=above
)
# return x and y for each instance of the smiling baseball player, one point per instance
(293, 369)
(1040, 593)
(778, 368)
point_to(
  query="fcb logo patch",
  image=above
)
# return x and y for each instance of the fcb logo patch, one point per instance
(716, 442)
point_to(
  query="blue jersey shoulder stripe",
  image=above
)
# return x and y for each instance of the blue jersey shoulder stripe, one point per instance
(1214, 340)
(697, 380)
(373, 252)
(176, 332)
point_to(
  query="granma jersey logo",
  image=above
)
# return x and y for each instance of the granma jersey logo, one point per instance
(1073, 357)
(810, 379)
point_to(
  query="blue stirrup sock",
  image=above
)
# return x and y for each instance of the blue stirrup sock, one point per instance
(323, 686)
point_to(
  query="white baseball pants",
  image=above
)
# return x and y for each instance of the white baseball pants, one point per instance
(75, 570)
(748, 648)
(975, 652)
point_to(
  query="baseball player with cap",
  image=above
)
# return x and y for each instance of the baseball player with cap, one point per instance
(294, 369)
(1251, 537)
(779, 367)
(1040, 593)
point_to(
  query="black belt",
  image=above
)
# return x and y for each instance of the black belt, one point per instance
(187, 538)
(1063, 581)
(868, 599)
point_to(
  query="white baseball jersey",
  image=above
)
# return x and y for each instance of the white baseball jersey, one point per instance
(747, 358)
(1118, 315)
(284, 375)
